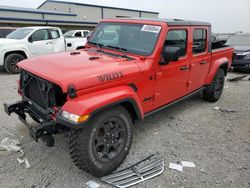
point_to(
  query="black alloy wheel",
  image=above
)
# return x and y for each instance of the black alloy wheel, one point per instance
(109, 139)
(213, 91)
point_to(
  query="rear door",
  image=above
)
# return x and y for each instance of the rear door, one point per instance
(40, 42)
(57, 40)
(171, 79)
(200, 60)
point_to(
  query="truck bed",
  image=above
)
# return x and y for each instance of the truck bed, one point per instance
(221, 54)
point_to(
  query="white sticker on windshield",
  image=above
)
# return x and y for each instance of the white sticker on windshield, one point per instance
(151, 28)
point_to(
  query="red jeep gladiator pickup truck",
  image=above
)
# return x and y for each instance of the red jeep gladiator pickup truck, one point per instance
(130, 69)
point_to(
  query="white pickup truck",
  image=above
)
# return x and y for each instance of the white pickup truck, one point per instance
(77, 33)
(28, 42)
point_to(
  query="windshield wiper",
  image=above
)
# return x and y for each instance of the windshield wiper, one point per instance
(122, 50)
(98, 45)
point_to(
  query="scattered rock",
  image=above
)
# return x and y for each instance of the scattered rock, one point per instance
(92, 184)
(202, 171)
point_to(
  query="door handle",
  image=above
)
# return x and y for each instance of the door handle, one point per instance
(49, 43)
(203, 62)
(184, 68)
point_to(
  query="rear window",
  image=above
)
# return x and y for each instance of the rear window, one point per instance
(78, 34)
(199, 41)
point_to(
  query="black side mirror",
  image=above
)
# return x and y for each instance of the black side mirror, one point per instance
(30, 39)
(170, 53)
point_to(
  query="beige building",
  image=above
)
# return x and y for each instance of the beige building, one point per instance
(66, 14)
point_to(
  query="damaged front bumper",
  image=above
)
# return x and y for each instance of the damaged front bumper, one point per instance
(43, 130)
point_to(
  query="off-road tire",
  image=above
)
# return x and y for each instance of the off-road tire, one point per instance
(81, 143)
(10, 63)
(213, 91)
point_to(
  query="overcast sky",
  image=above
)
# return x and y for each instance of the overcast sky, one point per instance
(225, 15)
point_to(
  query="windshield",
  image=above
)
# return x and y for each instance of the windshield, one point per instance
(239, 40)
(134, 38)
(69, 33)
(19, 33)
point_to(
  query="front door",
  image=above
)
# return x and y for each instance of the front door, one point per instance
(40, 43)
(171, 79)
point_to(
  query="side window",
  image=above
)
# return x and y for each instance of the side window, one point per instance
(39, 35)
(78, 34)
(54, 34)
(177, 38)
(85, 33)
(199, 41)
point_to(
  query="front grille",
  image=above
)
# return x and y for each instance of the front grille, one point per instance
(135, 174)
(42, 92)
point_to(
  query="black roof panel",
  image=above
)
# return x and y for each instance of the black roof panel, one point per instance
(172, 22)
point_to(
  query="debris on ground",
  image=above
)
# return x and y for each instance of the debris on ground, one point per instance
(25, 161)
(223, 109)
(92, 184)
(217, 108)
(10, 144)
(174, 166)
(237, 78)
(187, 164)
(179, 167)
(147, 168)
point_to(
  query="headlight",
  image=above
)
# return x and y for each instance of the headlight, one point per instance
(73, 117)
(248, 55)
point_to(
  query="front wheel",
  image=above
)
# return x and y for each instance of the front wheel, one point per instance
(10, 63)
(104, 143)
(213, 91)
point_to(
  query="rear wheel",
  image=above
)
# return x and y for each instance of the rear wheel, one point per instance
(213, 91)
(104, 143)
(10, 63)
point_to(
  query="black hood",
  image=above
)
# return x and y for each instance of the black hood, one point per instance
(241, 48)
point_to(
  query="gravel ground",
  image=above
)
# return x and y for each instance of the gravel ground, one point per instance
(217, 142)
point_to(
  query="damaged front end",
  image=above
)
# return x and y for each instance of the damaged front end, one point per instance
(42, 100)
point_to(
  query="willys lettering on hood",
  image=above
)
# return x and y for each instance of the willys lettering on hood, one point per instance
(111, 76)
(80, 70)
